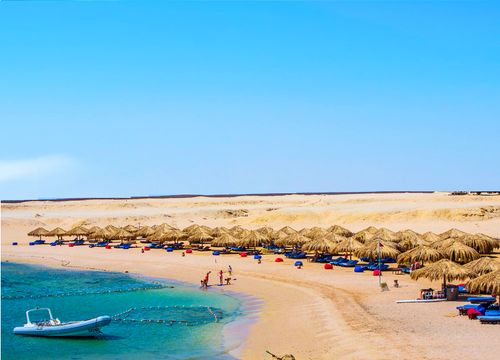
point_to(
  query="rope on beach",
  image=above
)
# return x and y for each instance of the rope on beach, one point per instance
(154, 286)
(177, 315)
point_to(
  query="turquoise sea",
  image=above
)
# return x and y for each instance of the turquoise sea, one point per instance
(189, 330)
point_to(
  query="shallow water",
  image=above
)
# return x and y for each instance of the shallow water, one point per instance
(189, 330)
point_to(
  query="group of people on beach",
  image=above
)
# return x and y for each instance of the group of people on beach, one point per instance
(227, 280)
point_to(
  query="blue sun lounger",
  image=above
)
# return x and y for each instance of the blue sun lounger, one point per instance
(350, 263)
(489, 319)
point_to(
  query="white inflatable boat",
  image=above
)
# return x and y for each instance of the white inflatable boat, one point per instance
(54, 327)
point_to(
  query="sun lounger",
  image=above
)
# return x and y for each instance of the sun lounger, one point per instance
(339, 261)
(351, 263)
(479, 299)
(489, 319)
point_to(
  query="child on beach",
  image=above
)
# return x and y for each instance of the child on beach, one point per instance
(221, 277)
(230, 270)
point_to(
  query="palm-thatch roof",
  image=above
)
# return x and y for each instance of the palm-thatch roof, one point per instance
(56, 232)
(486, 284)
(218, 231)
(199, 236)
(452, 233)
(339, 230)
(460, 253)
(443, 243)
(266, 231)
(443, 269)
(479, 243)
(363, 236)
(483, 265)
(370, 229)
(131, 228)
(292, 240)
(111, 228)
(225, 239)
(93, 229)
(336, 238)
(348, 245)
(288, 230)
(390, 243)
(253, 239)
(372, 250)
(172, 235)
(77, 231)
(386, 234)
(39, 231)
(431, 237)
(322, 245)
(420, 253)
(145, 231)
(101, 234)
(122, 234)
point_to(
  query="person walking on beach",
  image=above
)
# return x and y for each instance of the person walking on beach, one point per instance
(230, 270)
(206, 279)
(221, 277)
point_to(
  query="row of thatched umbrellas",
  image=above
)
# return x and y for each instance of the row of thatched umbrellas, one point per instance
(446, 250)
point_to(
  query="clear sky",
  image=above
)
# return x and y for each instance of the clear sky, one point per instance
(156, 97)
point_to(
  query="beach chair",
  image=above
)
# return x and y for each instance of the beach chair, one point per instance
(350, 263)
(489, 319)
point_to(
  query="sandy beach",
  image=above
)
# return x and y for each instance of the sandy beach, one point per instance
(310, 312)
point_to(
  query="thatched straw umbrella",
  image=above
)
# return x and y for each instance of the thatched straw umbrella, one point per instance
(443, 243)
(288, 230)
(386, 234)
(452, 233)
(145, 231)
(430, 237)
(78, 231)
(383, 242)
(102, 234)
(40, 231)
(93, 229)
(443, 269)
(373, 251)
(225, 240)
(321, 245)
(483, 265)
(363, 236)
(199, 236)
(460, 253)
(479, 243)
(280, 235)
(253, 240)
(315, 233)
(122, 234)
(172, 235)
(339, 230)
(370, 229)
(495, 243)
(420, 253)
(112, 228)
(349, 245)
(295, 240)
(57, 232)
(218, 231)
(486, 284)
(131, 228)
(266, 231)
(336, 238)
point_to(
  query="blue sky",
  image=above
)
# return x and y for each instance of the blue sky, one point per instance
(150, 97)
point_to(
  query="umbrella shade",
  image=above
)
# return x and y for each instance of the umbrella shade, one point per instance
(122, 234)
(348, 245)
(389, 243)
(93, 229)
(313, 233)
(339, 230)
(386, 234)
(101, 234)
(483, 265)
(495, 243)
(336, 238)
(363, 236)
(225, 239)
(40, 231)
(131, 228)
(112, 228)
(218, 231)
(253, 239)
(288, 230)
(370, 229)
(292, 240)
(460, 253)
(453, 233)
(322, 245)
(266, 231)
(199, 236)
(56, 232)
(431, 237)
(420, 253)
(487, 284)
(145, 231)
(172, 235)
(79, 230)
(372, 251)
(243, 233)
(443, 243)
(443, 269)
(479, 243)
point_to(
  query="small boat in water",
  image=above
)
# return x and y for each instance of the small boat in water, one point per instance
(54, 327)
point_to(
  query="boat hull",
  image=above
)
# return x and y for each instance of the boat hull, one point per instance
(79, 328)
